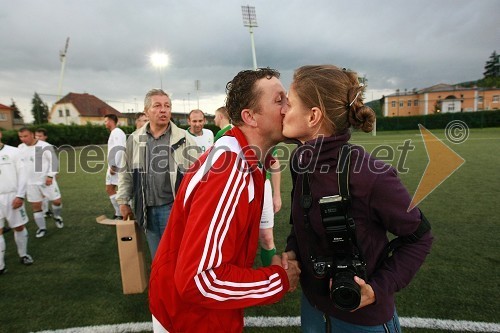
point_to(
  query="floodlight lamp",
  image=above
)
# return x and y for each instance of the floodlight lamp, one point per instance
(249, 16)
(159, 59)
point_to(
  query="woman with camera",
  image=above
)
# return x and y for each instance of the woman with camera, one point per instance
(342, 211)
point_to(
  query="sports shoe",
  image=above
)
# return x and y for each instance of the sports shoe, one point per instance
(117, 217)
(59, 222)
(40, 233)
(48, 214)
(3, 270)
(26, 260)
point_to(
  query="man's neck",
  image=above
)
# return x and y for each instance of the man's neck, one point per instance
(156, 130)
(260, 145)
(200, 133)
(224, 123)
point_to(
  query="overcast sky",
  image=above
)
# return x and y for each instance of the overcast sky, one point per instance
(395, 43)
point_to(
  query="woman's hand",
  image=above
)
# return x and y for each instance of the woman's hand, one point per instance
(367, 293)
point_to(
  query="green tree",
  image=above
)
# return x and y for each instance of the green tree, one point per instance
(17, 112)
(492, 67)
(40, 110)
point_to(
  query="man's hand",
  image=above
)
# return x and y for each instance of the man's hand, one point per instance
(126, 212)
(17, 202)
(48, 181)
(112, 170)
(293, 272)
(291, 265)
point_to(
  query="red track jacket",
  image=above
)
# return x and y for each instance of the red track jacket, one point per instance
(202, 276)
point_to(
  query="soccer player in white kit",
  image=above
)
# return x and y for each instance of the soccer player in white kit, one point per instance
(41, 166)
(12, 192)
(116, 146)
(203, 137)
(41, 134)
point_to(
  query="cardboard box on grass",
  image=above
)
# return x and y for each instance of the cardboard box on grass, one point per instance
(131, 254)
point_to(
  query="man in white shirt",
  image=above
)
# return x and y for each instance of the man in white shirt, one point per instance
(12, 192)
(41, 134)
(41, 166)
(116, 146)
(204, 138)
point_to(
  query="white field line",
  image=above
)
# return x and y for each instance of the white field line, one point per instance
(413, 322)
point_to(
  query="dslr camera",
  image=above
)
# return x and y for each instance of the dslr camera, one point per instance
(346, 261)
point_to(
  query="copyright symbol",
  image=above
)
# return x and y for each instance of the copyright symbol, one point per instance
(456, 131)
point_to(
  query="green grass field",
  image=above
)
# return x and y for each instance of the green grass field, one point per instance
(75, 280)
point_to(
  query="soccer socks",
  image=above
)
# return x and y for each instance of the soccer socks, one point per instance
(115, 204)
(266, 256)
(56, 210)
(21, 238)
(40, 220)
(2, 252)
(45, 205)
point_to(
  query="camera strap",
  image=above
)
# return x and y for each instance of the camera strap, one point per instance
(343, 166)
(423, 228)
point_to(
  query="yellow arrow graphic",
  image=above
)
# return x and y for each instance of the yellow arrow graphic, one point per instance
(443, 162)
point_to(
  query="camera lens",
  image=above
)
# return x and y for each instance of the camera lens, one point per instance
(345, 292)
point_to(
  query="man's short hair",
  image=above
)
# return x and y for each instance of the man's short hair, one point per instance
(196, 110)
(242, 93)
(41, 130)
(223, 111)
(151, 93)
(24, 129)
(112, 117)
(139, 115)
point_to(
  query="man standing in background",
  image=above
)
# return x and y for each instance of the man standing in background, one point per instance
(222, 121)
(41, 166)
(204, 138)
(12, 192)
(116, 146)
(41, 134)
(154, 162)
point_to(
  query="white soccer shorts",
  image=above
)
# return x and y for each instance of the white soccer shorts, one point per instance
(14, 217)
(36, 193)
(111, 179)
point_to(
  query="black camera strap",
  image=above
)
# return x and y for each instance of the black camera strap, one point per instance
(343, 166)
(423, 228)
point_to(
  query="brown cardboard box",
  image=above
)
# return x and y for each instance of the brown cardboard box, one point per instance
(131, 254)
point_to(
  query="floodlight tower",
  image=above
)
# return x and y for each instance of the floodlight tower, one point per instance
(62, 57)
(159, 60)
(250, 21)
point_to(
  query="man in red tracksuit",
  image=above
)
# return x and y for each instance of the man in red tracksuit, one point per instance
(202, 276)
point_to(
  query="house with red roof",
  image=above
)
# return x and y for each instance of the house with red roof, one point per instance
(6, 117)
(81, 109)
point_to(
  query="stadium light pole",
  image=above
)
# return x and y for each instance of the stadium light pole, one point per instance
(250, 21)
(159, 60)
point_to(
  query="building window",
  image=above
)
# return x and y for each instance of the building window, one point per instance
(60, 113)
(451, 107)
(393, 104)
(3, 117)
(67, 113)
(415, 102)
(496, 98)
(480, 99)
(401, 104)
(409, 102)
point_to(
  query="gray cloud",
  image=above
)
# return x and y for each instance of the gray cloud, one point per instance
(396, 44)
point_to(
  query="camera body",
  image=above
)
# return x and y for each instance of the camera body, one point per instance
(346, 261)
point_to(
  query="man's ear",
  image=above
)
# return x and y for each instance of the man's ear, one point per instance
(247, 115)
(315, 117)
